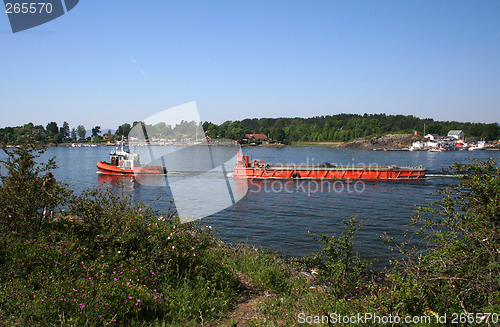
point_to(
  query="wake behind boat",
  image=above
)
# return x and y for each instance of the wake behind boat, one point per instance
(125, 163)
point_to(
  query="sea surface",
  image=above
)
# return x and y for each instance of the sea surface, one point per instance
(281, 215)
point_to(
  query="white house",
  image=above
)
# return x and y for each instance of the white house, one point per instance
(457, 134)
(433, 137)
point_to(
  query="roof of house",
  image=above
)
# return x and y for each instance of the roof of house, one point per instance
(256, 136)
(455, 131)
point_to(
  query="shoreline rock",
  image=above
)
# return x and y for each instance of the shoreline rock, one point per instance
(386, 142)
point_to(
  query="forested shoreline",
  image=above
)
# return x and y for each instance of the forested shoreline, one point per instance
(345, 127)
(334, 128)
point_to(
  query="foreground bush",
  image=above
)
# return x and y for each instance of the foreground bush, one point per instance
(458, 269)
(104, 260)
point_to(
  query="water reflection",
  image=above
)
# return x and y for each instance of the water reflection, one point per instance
(106, 180)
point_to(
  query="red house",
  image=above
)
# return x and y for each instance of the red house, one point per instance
(253, 137)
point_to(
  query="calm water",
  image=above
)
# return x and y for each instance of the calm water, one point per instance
(278, 215)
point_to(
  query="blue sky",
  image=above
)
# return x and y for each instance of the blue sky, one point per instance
(109, 62)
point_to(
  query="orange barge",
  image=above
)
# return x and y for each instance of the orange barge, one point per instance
(246, 168)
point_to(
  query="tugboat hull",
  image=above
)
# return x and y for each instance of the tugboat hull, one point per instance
(107, 168)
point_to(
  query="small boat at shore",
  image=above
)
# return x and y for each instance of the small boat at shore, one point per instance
(126, 163)
(248, 168)
(478, 146)
(436, 149)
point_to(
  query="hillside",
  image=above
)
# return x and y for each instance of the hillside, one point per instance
(389, 141)
(345, 127)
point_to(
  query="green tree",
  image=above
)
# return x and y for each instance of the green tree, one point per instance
(96, 131)
(223, 129)
(52, 128)
(123, 130)
(29, 193)
(211, 130)
(235, 131)
(64, 130)
(279, 134)
(57, 138)
(81, 131)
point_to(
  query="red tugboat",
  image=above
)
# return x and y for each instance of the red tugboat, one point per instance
(124, 163)
(246, 168)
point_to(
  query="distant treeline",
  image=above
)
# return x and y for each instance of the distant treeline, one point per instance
(344, 127)
(64, 134)
(336, 128)
(52, 133)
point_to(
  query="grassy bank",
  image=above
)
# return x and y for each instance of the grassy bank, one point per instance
(97, 259)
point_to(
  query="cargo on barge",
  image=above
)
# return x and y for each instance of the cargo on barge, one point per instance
(260, 169)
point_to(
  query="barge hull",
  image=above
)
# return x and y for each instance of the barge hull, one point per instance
(339, 173)
(260, 170)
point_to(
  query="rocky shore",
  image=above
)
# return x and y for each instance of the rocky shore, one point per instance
(386, 142)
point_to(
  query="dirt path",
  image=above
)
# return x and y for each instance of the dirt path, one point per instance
(248, 306)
